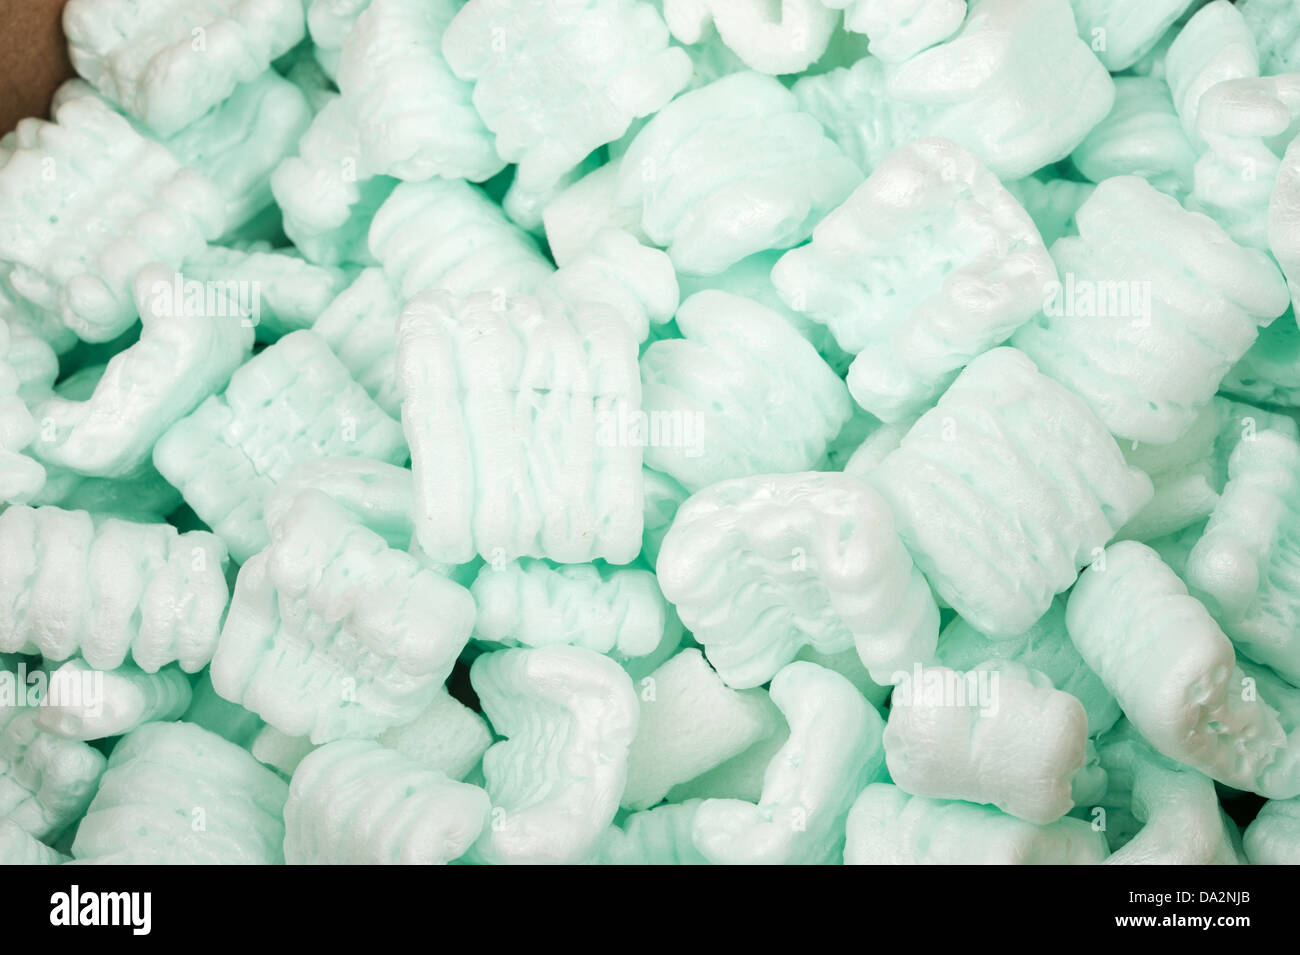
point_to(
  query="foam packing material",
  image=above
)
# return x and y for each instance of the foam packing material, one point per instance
(650, 432)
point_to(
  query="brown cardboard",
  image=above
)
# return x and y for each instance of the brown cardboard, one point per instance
(33, 58)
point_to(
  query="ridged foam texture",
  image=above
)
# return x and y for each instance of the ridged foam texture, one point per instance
(21, 477)
(740, 393)
(617, 611)
(32, 361)
(1045, 647)
(731, 169)
(22, 315)
(1122, 33)
(109, 589)
(1244, 567)
(46, 781)
(187, 351)
(660, 836)
(758, 567)
(549, 112)
(899, 29)
(1175, 675)
(929, 263)
(662, 496)
(292, 401)
(328, 23)
(691, 285)
(501, 404)
(290, 292)
(1214, 46)
(447, 234)
(236, 145)
(999, 734)
(239, 144)
(786, 39)
(413, 114)
(691, 722)
(751, 278)
(588, 205)
(833, 751)
(167, 62)
(327, 196)
(1140, 136)
(360, 327)
(1016, 86)
(888, 826)
(568, 716)
(1188, 474)
(176, 793)
(1284, 218)
(1160, 812)
(1004, 489)
(1145, 336)
(1242, 121)
(377, 495)
(113, 702)
(618, 271)
(85, 203)
(353, 802)
(1275, 26)
(854, 106)
(1273, 838)
(331, 633)
(17, 847)
(447, 737)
